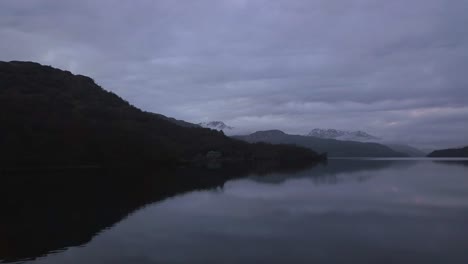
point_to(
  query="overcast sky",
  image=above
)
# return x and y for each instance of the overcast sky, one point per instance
(397, 69)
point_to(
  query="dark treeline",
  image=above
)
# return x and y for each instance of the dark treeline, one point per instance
(450, 153)
(52, 118)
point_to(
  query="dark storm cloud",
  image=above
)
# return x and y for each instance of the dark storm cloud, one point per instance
(393, 68)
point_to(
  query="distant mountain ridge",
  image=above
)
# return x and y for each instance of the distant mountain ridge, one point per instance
(329, 133)
(409, 150)
(334, 148)
(361, 136)
(217, 125)
(341, 134)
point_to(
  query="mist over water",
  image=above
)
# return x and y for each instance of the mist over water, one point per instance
(360, 211)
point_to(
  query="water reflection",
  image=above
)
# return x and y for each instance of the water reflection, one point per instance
(370, 211)
(45, 212)
(48, 212)
(329, 173)
(453, 162)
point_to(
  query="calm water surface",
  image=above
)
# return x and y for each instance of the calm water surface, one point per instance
(349, 211)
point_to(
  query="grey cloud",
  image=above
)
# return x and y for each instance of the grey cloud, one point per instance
(291, 65)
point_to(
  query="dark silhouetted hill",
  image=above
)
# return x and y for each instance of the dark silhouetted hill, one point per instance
(406, 149)
(334, 148)
(177, 121)
(53, 118)
(449, 153)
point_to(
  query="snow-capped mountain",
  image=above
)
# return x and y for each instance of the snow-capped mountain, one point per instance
(342, 134)
(217, 125)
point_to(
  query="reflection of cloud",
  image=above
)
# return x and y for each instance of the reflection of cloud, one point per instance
(336, 171)
(400, 189)
(418, 200)
(396, 187)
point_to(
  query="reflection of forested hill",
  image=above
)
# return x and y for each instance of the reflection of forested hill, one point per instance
(453, 162)
(44, 212)
(327, 172)
(48, 212)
